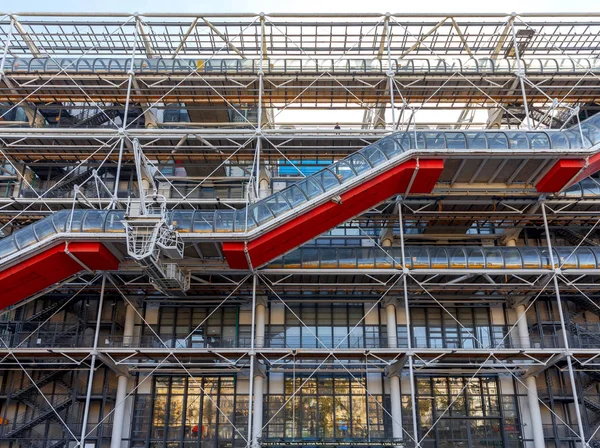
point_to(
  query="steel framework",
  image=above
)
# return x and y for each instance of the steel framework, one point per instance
(150, 142)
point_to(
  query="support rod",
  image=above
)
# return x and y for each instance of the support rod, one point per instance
(88, 396)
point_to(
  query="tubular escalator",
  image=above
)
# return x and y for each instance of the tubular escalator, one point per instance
(400, 164)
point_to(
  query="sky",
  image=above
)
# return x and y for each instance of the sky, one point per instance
(204, 6)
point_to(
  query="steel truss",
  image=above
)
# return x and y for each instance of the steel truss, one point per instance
(103, 120)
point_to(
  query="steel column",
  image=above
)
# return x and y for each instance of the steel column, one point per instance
(90, 384)
(564, 329)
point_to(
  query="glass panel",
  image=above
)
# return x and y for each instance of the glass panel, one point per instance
(512, 258)
(586, 258)
(493, 258)
(114, 222)
(497, 140)
(224, 221)
(458, 259)
(310, 188)
(456, 140)
(342, 171)
(475, 258)
(277, 204)
(567, 257)
(60, 220)
(531, 258)
(435, 140)
(389, 146)
(7, 246)
(260, 212)
(477, 140)
(327, 179)
(294, 196)
(517, 140)
(44, 228)
(420, 258)
(94, 221)
(182, 221)
(538, 140)
(439, 258)
(559, 140)
(203, 222)
(25, 237)
(374, 155)
(358, 163)
(75, 219)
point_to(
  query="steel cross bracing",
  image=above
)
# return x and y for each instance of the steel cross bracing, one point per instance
(546, 79)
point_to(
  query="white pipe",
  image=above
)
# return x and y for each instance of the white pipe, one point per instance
(395, 396)
(533, 401)
(119, 414)
(392, 331)
(129, 325)
(122, 381)
(257, 420)
(260, 326)
(396, 406)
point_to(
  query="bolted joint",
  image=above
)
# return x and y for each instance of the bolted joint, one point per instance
(520, 73)
(390, 73)
(558, 271)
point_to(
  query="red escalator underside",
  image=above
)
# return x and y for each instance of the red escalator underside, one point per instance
(314, 222)
(53, 265)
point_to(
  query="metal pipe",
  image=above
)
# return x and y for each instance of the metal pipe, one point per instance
(252, 353)
(564, 330)
(533, 402)
(88, 396)
(394, 377)
(408, 332)
(520, 74)
(122, 382)
(125, 115)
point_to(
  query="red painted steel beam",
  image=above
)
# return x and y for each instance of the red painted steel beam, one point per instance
(326, 216)
(559, 175)
(51, 266)
(592, 166)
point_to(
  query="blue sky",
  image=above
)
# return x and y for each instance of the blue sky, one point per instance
(203, 6)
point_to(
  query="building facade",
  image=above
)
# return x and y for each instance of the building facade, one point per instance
(285, 230)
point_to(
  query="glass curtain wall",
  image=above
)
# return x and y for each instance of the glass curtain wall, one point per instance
(327, 407)
(469, 413)
(181, 411)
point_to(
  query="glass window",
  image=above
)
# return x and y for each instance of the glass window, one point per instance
(456, 140)
(435, 140)
(497, 140)
(358, 163)
(559, 140)
(538, 140)
(310, 188)
(374, 155)
(517, 140)
(477, 140)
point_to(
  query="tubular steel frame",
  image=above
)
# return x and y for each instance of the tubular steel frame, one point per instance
(395, 36)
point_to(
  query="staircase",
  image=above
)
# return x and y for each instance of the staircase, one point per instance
(99, 118)
(26, 421)
(24, 394)
(574, 238)
(43, 314)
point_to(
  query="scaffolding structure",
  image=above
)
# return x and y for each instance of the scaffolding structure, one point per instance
(299, 230)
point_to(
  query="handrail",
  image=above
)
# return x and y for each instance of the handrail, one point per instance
(295, 65)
